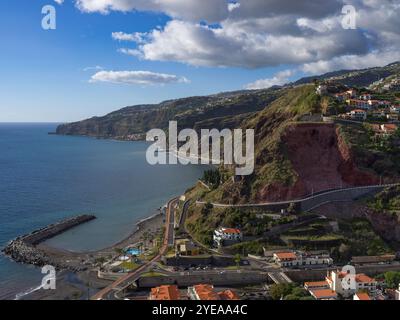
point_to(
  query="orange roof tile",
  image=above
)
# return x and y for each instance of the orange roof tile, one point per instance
(228, 295)
(206, 292)
(323, 293)
(361, 277)
(165, 293)
(230, 230)
(286, 255)
(390, 126)
(363, 296)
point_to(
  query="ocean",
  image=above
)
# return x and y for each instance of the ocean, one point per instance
(45, 178)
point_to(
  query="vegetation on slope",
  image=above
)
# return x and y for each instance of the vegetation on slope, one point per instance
(380, 154)
(272, 165)
(216, 111)
(357, 78)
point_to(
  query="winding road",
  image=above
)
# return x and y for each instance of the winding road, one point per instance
(316, 196)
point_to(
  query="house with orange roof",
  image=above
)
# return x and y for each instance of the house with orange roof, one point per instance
(203, 292)
(285, 259)
(228, 295)
(207, 292)
(388, 128)
(357, 103)
(358, 114)
(301, 259)
(227, 236)
(362, 296)
(323, 294)
(347, 284)
(167, 292)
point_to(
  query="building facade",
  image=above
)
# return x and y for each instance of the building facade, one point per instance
(301, 259)
(227, 236)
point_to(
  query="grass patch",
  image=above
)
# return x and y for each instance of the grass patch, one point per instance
(128, 265)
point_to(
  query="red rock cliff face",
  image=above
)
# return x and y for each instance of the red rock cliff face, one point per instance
(321, 160)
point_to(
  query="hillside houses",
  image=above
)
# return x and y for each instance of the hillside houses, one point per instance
(364, 106)
(368, 104)
(358, 114)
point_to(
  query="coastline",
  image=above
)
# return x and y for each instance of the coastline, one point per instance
(74, 285)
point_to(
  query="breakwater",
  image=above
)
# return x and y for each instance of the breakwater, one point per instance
(24, 248)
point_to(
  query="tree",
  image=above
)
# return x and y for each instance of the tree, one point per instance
(291, 297)
(278, 291)
(119, 251)
(345, 252)
(392, 279)
(237, 260)
(206, 210)
(212, 177)
(299, 292)
(307, 298)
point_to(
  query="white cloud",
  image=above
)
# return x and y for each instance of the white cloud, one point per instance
(136, 77)
(210, 10)
(229, 45)
(349, 62)
(93, 68)
(233, 5)
(130, 52)
(121, 36)
(278, 79)
(60, 2)
(261, 33)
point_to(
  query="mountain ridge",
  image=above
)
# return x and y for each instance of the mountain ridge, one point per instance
(216, 110)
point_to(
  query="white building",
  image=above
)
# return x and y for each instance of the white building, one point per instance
(227, 236)
(358, 114)
(365, 96)
(347, 285)
(352, 93)
(357, 103)
(299, 259)
(322, 89)
(395, 109)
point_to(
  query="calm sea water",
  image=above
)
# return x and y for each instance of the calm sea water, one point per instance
(45, 178)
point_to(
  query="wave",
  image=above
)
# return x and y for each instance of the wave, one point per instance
(20, 295)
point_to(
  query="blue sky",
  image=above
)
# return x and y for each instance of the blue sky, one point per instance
(45, 75)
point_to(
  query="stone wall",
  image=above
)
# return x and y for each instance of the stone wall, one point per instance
(232, 278)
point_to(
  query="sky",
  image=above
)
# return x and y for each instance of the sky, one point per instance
(107, 54)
